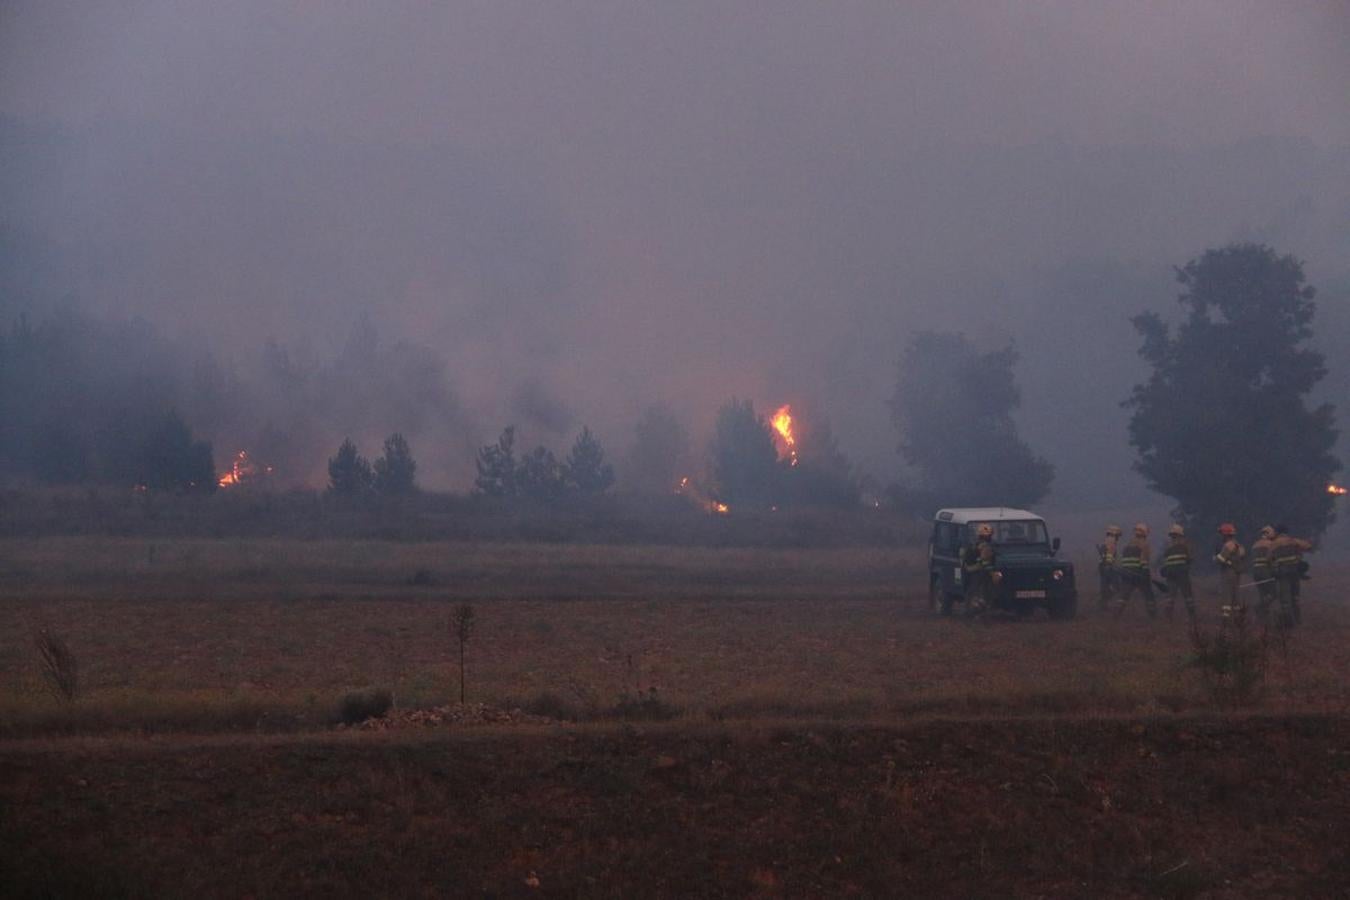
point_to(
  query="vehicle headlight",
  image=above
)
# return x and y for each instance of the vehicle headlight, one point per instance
(1058, 574)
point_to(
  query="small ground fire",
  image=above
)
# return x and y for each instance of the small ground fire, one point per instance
(243, 470)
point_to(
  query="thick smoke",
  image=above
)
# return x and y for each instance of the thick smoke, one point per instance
(557, 216)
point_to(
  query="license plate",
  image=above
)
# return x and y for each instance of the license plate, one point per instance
(1030, 595)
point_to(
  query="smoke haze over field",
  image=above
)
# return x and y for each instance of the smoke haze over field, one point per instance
(581, 209)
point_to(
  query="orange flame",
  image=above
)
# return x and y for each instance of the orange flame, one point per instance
(786, 440)
(242, 470)
(1337, 490)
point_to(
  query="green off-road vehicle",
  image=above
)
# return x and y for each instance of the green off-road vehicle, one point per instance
(1028, 571)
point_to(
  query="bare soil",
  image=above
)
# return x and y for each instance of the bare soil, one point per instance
(820, 732)
(1251, 807)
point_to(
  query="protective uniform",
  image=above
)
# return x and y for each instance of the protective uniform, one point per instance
(1176, 570)
(1287, 561)
(978, 564)
(1108, 577)
(1232, 558)
(1134, 571)
(1263, 573)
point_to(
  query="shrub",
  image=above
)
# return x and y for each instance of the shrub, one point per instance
(1231, 662)
(358, 706)
(551, 705)
(395, 472)
(646, 706)
(59, 666)
(462, 625)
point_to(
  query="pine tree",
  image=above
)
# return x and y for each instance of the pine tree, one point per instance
(586, 470)
(539, 477)
(497, 466)
(395, 471)
(745, 466)
(660, 446)
(349, 473)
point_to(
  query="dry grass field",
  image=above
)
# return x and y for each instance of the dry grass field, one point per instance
(820, 732)
(208, 635)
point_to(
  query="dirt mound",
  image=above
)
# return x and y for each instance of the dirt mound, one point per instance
(455, 714)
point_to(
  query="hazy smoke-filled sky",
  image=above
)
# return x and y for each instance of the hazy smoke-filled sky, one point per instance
(589, 207)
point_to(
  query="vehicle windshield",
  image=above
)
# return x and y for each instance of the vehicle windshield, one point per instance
(1026, 533)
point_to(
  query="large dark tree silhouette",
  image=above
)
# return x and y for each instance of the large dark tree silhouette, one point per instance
(1222, 424)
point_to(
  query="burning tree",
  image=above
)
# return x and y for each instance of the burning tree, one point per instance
(745, 467)
(784, 437)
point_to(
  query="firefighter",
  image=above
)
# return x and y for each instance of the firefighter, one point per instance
(1286, 555)
(978, 564)
(1263, 574)
(1134, 572)
(1232, 558)
(1176, 571)
(1107, 574)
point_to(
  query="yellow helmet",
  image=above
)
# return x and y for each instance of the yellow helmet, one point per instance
(985, 530)
(1113, 530)
(1176, 531)
(1141, 529)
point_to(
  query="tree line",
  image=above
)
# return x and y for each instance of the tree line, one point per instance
(1222, 424)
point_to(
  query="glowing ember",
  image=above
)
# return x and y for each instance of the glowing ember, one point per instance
(687, 488)
(1337, 490)
(786, 440)
(242, 471)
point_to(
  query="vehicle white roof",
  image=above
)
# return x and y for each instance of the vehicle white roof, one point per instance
(961, 516)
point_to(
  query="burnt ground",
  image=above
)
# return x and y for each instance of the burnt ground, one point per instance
(1093, 807)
